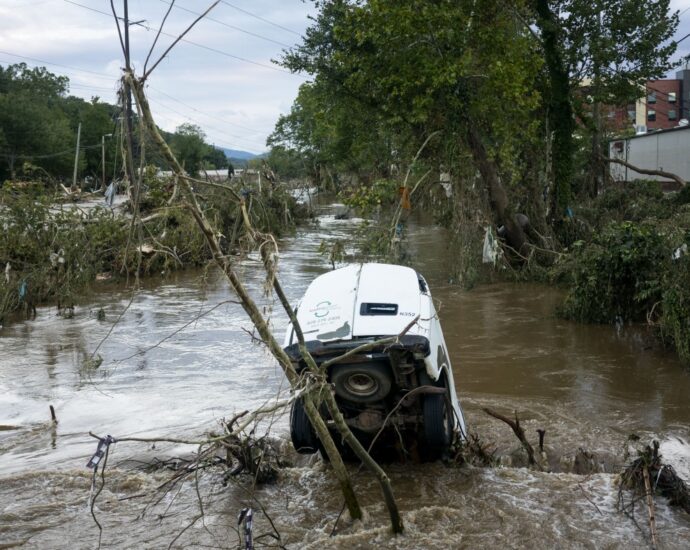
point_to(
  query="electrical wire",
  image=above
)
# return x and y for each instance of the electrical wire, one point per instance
(99, 75)
(190, 119)
(52, 155)
(260, 18)
(228, 25)
(98, 88)
(214, 117)
(187, 41)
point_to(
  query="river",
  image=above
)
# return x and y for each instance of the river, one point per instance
(180, 358)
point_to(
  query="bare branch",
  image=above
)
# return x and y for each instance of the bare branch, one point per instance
(155, 40)
(117, 24)
(180, 37)
(646, 171)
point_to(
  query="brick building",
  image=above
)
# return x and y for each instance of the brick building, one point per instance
(664, 104)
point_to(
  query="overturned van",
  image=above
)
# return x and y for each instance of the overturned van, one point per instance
(400, 396)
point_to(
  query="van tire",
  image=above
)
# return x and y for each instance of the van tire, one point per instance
(362, 383)
(438, 426)
(302, 433)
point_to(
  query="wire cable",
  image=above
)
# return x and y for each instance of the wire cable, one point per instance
(228, 25)
(261, 18)
(187, 41)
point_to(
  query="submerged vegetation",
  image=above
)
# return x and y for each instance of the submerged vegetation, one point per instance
(52, 252)
(630, 262)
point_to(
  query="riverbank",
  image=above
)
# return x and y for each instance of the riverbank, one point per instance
(54, 253)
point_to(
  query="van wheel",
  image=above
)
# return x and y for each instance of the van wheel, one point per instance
(361, 383)
(438, 426)
(302, 433)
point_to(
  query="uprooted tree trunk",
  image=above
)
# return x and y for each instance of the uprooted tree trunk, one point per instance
(498, 198)
(311, 401)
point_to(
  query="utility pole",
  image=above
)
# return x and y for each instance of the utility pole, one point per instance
(76, 159)
(132, 187)
(103, 159)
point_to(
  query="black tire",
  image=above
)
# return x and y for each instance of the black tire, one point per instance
(438, 426)
(362, 383)
(302, 433)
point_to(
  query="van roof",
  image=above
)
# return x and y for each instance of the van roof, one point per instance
(360, 300)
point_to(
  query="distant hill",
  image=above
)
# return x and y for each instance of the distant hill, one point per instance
(241, 155)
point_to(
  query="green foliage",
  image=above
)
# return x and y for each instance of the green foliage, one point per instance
(97, 128)
(636, 201)
(31, 121)
(53, 254)
(215, 158)
(619, 275)
(333, 251)
(56, 253)
(367, 199)
(287, 163)
(619, 43)
(675, 319)
(189, 147)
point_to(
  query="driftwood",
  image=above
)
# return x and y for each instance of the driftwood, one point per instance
(650, 506)
(667, 483)
(647, 171)
(646, 476)
(519, 433)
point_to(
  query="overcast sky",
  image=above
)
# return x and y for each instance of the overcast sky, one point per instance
(222, 78)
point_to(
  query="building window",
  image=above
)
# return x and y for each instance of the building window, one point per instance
(672, 97)
(651, 115)
(672, 114)
(651, 98)
(631, 115)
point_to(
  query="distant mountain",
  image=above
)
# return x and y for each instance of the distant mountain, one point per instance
(241, 155)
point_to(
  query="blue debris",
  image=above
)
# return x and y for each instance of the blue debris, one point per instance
(22, 290)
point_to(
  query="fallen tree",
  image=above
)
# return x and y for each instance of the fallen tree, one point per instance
(315, 390)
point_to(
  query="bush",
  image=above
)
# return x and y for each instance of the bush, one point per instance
(618, 275)
(675, 318)
(55, 254)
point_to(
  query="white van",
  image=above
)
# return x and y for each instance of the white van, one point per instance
(406, 388)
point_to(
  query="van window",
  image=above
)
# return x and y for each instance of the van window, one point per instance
(369, 308)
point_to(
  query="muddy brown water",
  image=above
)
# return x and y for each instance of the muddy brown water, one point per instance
(588, 386)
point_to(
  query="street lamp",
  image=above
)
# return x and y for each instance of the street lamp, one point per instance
(103, 158)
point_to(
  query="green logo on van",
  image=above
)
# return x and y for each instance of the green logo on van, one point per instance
(322, 309)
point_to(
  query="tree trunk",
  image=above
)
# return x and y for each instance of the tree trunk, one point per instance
(560, 107)
(10, 162)
(515, 235)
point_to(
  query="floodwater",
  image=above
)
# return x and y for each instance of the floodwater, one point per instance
(181, 357)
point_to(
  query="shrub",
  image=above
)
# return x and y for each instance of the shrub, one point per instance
(618, 275)
(675, 318)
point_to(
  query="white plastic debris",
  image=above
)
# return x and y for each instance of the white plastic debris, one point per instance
(492, 249)
(679, 252)
(445, 182)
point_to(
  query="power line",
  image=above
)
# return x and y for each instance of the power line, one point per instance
(202, 46)
(96, 88)
(190, 119)
(103, 76)
(260, 18)
(254, 130)
(52, 155)
(228, 25)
